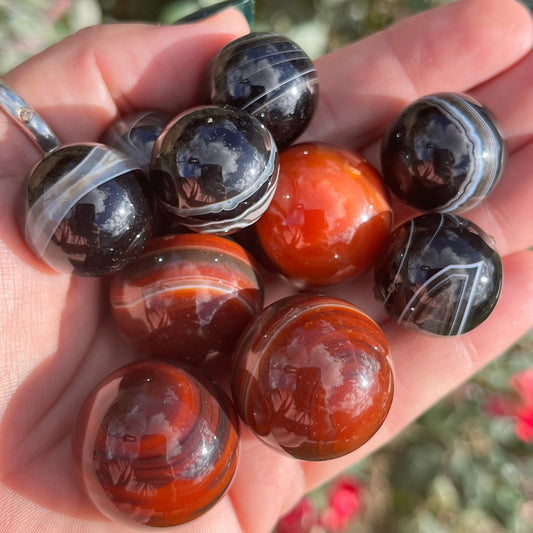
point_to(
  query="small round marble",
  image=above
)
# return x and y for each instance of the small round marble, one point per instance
(438, 274)
(215, 169)
(269, 76)
(329, 216)
(135, 135)
(186, 297)
(87, 210)
(311, 377)
(155, 445)
(443, 153)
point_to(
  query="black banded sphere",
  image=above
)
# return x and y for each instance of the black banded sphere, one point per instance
(443, 153)
(269, 76)
(135, 135)
(86, 210)
(215, 169)
(438, 274)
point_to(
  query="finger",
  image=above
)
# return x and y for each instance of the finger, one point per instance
(427, 368)
(515, 111)
(84, 82)
(436, 62)
(463, 44)
(506, 213)
(266, 486)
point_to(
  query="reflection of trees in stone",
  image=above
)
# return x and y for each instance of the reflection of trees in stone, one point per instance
(207, 188)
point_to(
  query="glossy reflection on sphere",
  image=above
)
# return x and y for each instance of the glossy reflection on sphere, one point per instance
(444, 152)
(135, 135)
(269, 76)
(215, 169)
(87, 211)
(155, 444)
(311, 377)
(187, 296)
(438, 274)
(329, 216)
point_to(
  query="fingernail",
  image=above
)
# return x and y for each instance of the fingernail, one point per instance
(246, 7)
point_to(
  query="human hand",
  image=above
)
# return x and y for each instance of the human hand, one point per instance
(56, 336)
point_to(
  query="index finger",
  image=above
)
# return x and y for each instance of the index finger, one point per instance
(363, 86)
(87, 80)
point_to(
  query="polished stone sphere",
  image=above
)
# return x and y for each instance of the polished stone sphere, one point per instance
(443, 153)
(87, 210)
(438, 274)
(269, 76)
(328, 218)
(156, 445)
(186, 297)
(215, 169)
(135, 135)
(311, 377)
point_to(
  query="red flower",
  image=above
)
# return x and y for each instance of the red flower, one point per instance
(520, 407)
(522, 383)
(345, 503)
(524, 423)
(300, 519)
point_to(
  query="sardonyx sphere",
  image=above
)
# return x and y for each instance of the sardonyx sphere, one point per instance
(311, 377)
(269, 76)
(444, 153)
(438, 274)
(215, 169)
(329, 216)
(86, 210)
(187, 296)
(156, 444)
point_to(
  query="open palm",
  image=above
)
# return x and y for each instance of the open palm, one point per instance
(56, 337)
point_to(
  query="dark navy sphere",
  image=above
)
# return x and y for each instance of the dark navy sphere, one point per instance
(269, 76)
(438, 274)
(215, 169)
(443, 153)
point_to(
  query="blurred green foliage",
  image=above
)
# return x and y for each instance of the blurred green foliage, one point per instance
(29, 26)
(319, 26)
(456, 469)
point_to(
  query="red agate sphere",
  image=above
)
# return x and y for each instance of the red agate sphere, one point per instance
(187, 296)
(311, 377)
(329, 216)
(155, 444)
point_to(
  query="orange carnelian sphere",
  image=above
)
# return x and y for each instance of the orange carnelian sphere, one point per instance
(329, 216)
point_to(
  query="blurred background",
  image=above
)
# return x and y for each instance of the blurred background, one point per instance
(464, 466)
